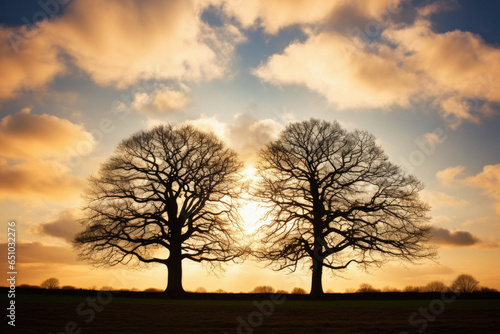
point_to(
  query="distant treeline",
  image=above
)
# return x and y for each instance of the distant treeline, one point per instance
(462, 284)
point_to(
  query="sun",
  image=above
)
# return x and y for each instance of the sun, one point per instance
(252, 217)
(252, 212)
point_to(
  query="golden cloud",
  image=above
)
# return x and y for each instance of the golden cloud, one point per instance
(458, 66)
(438, 199)
(119, 42)
(449, 176)
(489, 181)
(437, 7)
(334, 66)
(209, 124)
(40, 253)
(406, 63)
(162, 100)
(26, 66)
(244, 133)
(47, 180)
(25, 135)
(274, 15)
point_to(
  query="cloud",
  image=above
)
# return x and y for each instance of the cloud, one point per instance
(446, 237)
(334, 66)
(119, 43)
(458, 67)
(65, 226)
(162, 100)
(247, 134)
(437, 7)
(209, 124)
(35, 63)
(25, 136)
(39, 253)
(47, 180)
(441, 220)
(477, 221)
(274, 15)
(436, 137)
(403, 64)
(438, 199)
(449, 176)
(244, 132)
(488, 180)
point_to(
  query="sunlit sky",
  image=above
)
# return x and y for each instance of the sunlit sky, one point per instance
(422, 76)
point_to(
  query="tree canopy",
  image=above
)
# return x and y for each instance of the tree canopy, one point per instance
(464, 283)
(334, 199)
(165, 195)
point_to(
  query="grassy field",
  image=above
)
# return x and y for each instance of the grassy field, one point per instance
(106, 312)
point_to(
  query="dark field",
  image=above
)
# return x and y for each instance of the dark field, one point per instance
(126, 312)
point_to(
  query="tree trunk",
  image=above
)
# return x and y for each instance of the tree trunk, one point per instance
(319, 241)
(317, 284)
(174, 266)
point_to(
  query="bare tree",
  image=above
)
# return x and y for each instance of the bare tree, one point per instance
(50, 283)
(366, 287)
(166, 195)
(334, 199)
(412, 288)
(298, 291)
(464, 283)
(435, 286)
(263, 289)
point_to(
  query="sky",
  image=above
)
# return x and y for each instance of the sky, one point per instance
(77, 77)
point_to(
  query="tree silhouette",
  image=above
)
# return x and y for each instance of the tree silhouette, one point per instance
(200, 290)
(435, 286)
(412, 288)
(334, 199)
(366, 287)
(298, 291)
(464, 283)
(166, 195)
(263, 289)
(50, 283)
